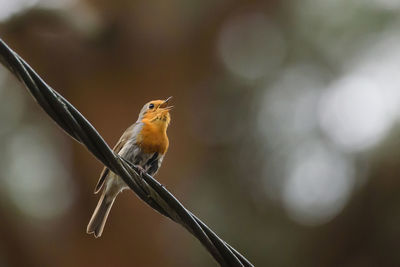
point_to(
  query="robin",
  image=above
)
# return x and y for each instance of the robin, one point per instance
(144, 144)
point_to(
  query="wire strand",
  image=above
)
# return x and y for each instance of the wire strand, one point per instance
(146, 187)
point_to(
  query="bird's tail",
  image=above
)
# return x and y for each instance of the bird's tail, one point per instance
(100, 214)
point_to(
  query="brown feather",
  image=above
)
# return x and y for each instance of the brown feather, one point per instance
(120, 144)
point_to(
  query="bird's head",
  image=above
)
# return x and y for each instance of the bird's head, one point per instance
(156, 111)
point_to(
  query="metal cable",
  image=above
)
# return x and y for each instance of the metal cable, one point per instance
(146, 187)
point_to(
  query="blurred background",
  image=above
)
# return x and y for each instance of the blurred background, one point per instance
(284, 137)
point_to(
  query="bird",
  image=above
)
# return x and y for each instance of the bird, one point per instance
(144, 144)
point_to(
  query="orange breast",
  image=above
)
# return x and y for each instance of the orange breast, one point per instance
(152, 139)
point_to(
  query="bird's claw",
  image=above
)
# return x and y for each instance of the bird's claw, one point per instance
(141, 170)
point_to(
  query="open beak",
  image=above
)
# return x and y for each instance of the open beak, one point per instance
(165, 106)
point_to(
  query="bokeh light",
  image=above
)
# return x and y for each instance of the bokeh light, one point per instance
(389, 5)
(378, 63)
(35, 179)
(10, 111)
(9, 8)
(353, 113)
(250, 46)
(319, 183)
(287, 111)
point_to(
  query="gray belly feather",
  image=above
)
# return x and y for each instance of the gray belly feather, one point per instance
(132, 153)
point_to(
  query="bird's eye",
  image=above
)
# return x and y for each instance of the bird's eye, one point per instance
(151, 106)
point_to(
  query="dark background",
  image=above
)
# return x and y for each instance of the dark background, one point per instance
(284, 137)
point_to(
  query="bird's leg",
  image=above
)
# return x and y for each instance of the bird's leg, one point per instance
(141, 170)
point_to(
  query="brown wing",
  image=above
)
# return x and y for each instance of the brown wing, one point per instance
(120, 144)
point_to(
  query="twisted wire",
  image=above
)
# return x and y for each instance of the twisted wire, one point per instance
(145, 186)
